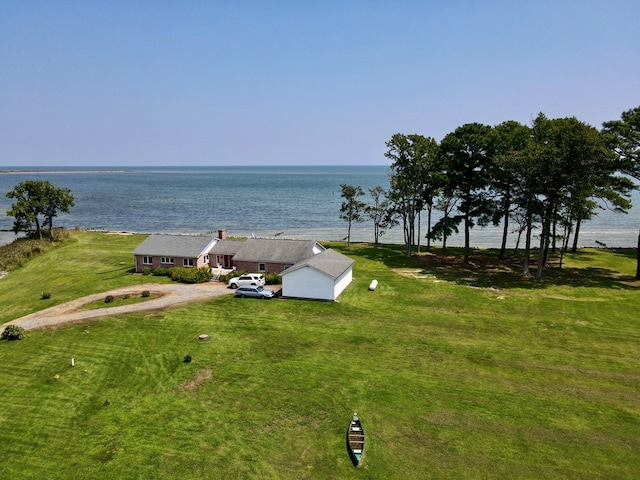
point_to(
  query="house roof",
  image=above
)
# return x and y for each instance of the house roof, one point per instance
(271, 250)
(190, 246)
(329, 262)
(226, 247)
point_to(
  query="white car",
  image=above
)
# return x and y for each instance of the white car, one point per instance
(248, 279)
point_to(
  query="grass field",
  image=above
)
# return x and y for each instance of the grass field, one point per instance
(455, 373)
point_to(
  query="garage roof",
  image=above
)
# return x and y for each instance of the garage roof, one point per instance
(329, 262)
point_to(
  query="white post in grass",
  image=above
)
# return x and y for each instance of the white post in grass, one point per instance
(73, 361)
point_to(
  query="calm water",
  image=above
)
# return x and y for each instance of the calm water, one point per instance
(295, 202)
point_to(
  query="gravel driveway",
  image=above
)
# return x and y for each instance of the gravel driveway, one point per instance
(169, 295)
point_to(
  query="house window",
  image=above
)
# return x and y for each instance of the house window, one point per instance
(187, 262)
(287, 265)
(147, 260)
(206, 259)
(261, 267)
(167, 260)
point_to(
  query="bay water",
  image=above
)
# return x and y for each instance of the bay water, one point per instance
(268, 201)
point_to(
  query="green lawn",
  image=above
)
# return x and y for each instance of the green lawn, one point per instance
(455, 373)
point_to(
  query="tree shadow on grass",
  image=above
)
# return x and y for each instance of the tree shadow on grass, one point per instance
(118, 272)
(486, 269)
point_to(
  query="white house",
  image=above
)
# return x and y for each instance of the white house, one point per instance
(323, 276)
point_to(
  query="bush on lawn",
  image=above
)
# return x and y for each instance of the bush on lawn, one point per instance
(12, 332)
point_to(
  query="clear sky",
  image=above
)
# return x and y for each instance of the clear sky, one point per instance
(206, 82)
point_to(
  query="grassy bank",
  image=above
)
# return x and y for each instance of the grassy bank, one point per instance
(456, 373)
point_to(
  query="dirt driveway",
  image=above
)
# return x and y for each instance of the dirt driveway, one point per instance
(168, 296)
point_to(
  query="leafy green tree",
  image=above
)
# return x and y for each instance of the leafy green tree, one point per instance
(352, 209)
(572, 165)
(378, 212)
(38, 202)
(411, 156)
(623, 137)
(466, 155)
(448, 223)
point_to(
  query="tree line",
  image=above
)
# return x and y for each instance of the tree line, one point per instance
(541, 181)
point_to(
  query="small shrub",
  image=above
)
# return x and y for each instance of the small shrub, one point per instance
(12, 332)
(108, 299)
(45, 295)
(125, 297)
(191, 275)
(272, 279)
(187, 359)
(228, 276)
(203, 275)
(162, 272)
(147, 271)
(146, 294)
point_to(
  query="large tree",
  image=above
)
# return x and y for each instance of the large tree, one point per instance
(38, 202)
(572, 166)
(352, 208)
(411, 156)
(466, 155)
(623, 136)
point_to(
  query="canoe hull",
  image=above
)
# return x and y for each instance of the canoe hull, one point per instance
(355, 440)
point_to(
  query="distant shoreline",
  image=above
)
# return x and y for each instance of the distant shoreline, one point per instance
(43, 171)
(599, 245)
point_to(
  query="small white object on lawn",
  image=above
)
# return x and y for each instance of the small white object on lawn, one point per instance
(373, 285)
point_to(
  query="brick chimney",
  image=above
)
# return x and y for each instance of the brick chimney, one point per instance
(222, 233)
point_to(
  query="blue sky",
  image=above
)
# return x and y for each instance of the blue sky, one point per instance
(296, 83)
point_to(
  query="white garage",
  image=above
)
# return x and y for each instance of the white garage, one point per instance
(321, 277)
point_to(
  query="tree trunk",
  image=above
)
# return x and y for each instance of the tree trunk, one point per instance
(38, 228)
(407, 240)
(349, 234)
(515, 250)
(505, 232)
(541, 252)
(527, 244)
(574, 248)
(565, 240)
(466, 239)
(419, 239)
(544, 243)
(429, 209)
(638, 259)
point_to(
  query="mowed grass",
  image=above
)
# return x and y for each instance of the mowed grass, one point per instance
(84, 264)
(456, 373)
